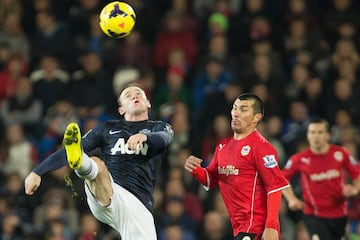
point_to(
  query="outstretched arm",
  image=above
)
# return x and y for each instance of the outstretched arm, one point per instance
(53, 162)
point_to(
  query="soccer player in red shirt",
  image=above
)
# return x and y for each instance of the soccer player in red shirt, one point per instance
(245, 168)
(322, 177)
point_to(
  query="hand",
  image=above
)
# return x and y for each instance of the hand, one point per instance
(349, 190)
(270, 234)
(192, 163)
(136, 141)
(32, 182)
(295, 204)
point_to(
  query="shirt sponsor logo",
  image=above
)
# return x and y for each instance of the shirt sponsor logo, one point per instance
(245, 150)
(270, 161)
(228, 170)
(122, 147)
(329, 174)
(338, 156)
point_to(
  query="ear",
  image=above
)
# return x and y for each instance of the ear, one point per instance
(148, 104)
(121, 110)
(258, 117)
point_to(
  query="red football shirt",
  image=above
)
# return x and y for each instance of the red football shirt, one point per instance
(246, 171)
(321, 178)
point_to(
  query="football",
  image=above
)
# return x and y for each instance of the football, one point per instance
(117, 19)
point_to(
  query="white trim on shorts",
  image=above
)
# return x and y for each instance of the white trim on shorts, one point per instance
(126, 214)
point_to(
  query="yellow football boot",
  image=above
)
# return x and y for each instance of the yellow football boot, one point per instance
(72, 144)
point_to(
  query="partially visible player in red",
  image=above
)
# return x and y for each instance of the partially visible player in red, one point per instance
(245, 168)
(322, 177)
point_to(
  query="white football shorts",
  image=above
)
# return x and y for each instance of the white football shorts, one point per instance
(126, 214)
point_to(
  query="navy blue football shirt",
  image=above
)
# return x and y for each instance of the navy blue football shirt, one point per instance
(135, 171)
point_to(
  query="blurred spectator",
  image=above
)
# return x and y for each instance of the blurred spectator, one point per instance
(219, 129)
(94, 40)
(345, 48)
(218, 46)
(299, 76)
(134, 52)
(300, 36)
(80, 13)
(57, 207)
(174, 214)
(211, 78)
(51, 37)
(240, 39)
(90, 228)
(171, 91)
(294, 125)
(56, 230)
(298, 9)
(215, 227)
(15, 68)
(192, 205)
(7, 6)
(341, 96)
(203, 8)
(187, 179)
(174, 232)
(218, 103)
(11, 227)
(23, 108)
(185, 7)
(124, 76)
(147, 82)
(174, 35)
(180, 121)
(21, 152)
(342, 120)
(13, 34)
(5, 55)
(91, 89)
(271, 102)
(313, 95)
(218, 24)
(247, 59)
(50, 82)
(16, 201)
(54, 123)
(338, 11)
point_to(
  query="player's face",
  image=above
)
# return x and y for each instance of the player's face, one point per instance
(133, 101)
(243, 118)
(317, 135)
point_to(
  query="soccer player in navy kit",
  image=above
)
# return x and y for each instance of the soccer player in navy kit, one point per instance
(118, 184)
(245, 168)
(322, 168)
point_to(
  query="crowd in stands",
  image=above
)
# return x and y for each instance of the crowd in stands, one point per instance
(192, 57)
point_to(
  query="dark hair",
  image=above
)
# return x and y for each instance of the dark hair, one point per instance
(320, 120)
(125, 86)
(258, 103)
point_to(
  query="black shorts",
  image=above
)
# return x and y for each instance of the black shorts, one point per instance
(245, 236)
(325, 228)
